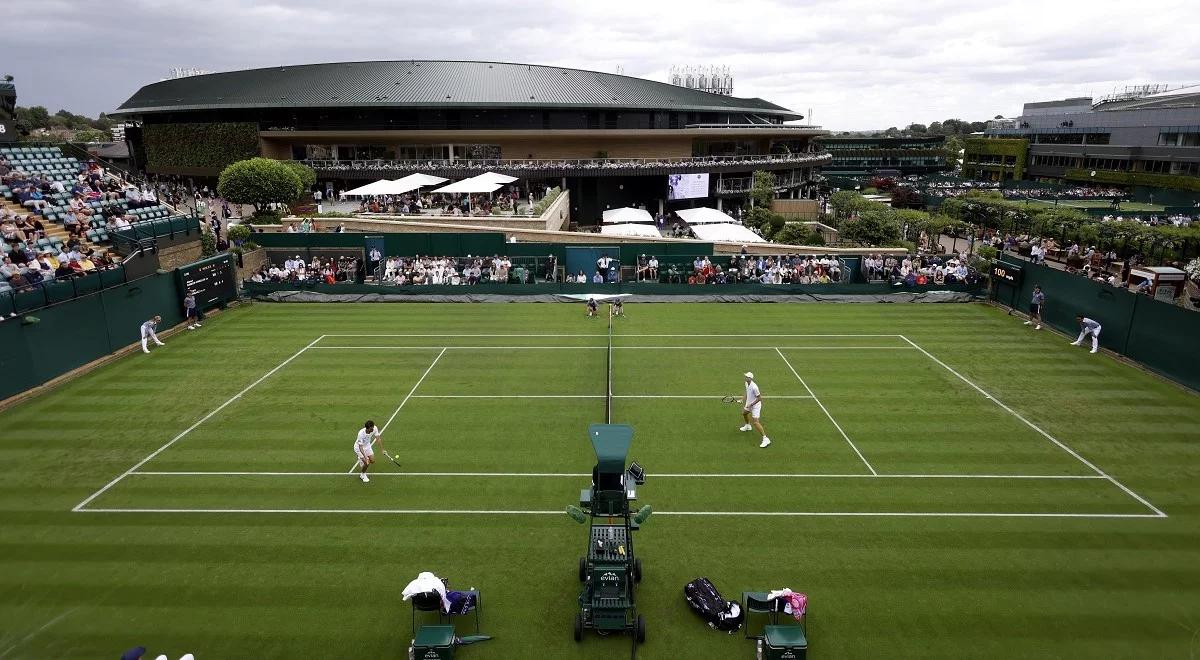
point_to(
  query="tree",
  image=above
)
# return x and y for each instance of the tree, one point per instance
(762, 189)
(846, 203)
(797, 233)
(917, 129)
(892, 132)
(91, 135)
(308, 177)
(935, 128)
(259, 181)
(872, 227)
(952, 150)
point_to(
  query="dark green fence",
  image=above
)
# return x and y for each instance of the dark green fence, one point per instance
(33, 353)
(126, 240)
(544, 288)
(1162, 336)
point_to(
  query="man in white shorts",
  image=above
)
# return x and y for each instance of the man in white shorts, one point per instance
(368, 435)
(147, 331)
(752, 409)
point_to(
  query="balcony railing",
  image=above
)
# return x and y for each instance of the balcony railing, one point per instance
(562, 167)
(794, 127)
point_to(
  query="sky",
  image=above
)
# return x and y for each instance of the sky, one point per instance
(857, 64)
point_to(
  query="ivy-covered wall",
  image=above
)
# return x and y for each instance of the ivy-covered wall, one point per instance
(198, 148)
(975, 147)
(1171, 181)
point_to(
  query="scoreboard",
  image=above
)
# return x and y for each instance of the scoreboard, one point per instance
(8, 130)
(1007, 273)
(214, 280)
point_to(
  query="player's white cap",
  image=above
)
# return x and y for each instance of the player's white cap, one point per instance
(749, 374)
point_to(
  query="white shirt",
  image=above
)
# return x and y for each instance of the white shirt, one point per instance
(365, 439)
(752, 392)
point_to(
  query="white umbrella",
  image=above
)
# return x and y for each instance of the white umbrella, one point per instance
(626, 214)
(492, 176)
(471, 185)
(704, 215)
(414, 182)
(630, 229)
(374, 188)
(726, 233)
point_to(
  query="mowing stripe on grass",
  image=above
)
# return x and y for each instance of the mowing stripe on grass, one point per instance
(1158, 512)
(591, 396)
(826, 411)
(783, 514)
(619, 348)
(697, 475)
(406, 398)
(156, 452)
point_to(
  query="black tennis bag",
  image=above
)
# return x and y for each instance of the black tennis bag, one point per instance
(718, 613)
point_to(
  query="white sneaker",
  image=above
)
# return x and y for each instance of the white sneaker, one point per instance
(364, 477)
(145, 350)
(1093, 350)
(1037, 327)
(1028, 323)
(766, 441)
(198, 325)
(191, 327)
(1075, 343)
(745, 427)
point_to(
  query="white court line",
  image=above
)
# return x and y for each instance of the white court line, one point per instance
(156, 452)
(826, 411)
(511, 512)
(397, 410)
(1158, 512)
(591, 396)
(601, 335)
(615, 347)
(768, 475)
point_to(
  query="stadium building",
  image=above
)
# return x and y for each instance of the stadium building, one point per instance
(1144, 136)
(858, 155)
(612, 140)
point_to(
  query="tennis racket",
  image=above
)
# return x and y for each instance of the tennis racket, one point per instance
(729, 398)
(391, 458)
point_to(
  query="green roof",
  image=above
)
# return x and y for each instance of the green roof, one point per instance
(423, 83)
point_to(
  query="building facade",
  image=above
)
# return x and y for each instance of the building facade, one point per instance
(1143, 137)
(612, 140)
(855, 155)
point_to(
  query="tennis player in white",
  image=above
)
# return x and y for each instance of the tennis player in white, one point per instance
(752, 409)
(147, 331)
(368, 435)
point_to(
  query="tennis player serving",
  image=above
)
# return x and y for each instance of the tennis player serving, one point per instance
(752, 409)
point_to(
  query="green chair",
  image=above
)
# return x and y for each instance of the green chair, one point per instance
(756, 602)
(784, 643)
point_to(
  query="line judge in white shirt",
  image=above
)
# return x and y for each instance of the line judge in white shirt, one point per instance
(752, 409)
(368, 435)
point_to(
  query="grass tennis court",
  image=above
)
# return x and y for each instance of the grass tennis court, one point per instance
(942, 482)
(1101, 204)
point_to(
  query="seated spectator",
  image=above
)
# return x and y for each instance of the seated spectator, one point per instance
(597, 278)
(652, 268)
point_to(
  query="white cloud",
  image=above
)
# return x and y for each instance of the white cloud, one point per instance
(857, 63)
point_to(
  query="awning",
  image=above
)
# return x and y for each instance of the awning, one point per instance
(498, 178)
(704, 215)
(374, 188)
(726, 233)
(413, 182)
(472, 185)
(630, 229)
(626, 214)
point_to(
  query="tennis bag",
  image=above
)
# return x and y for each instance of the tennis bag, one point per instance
(718, 613)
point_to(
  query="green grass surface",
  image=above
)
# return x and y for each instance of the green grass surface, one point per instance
(211, 572)
(1101, 204)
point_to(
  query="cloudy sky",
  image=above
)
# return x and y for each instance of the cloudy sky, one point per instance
(858, 64)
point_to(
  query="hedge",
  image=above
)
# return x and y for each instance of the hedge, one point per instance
(1175, 181)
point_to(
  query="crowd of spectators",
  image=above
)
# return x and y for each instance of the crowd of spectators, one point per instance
(506, 201)
(559, 164)
(1076, 192)
(918, 270)
(328, 270)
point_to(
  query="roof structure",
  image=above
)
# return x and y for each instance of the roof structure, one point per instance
(425, 83)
